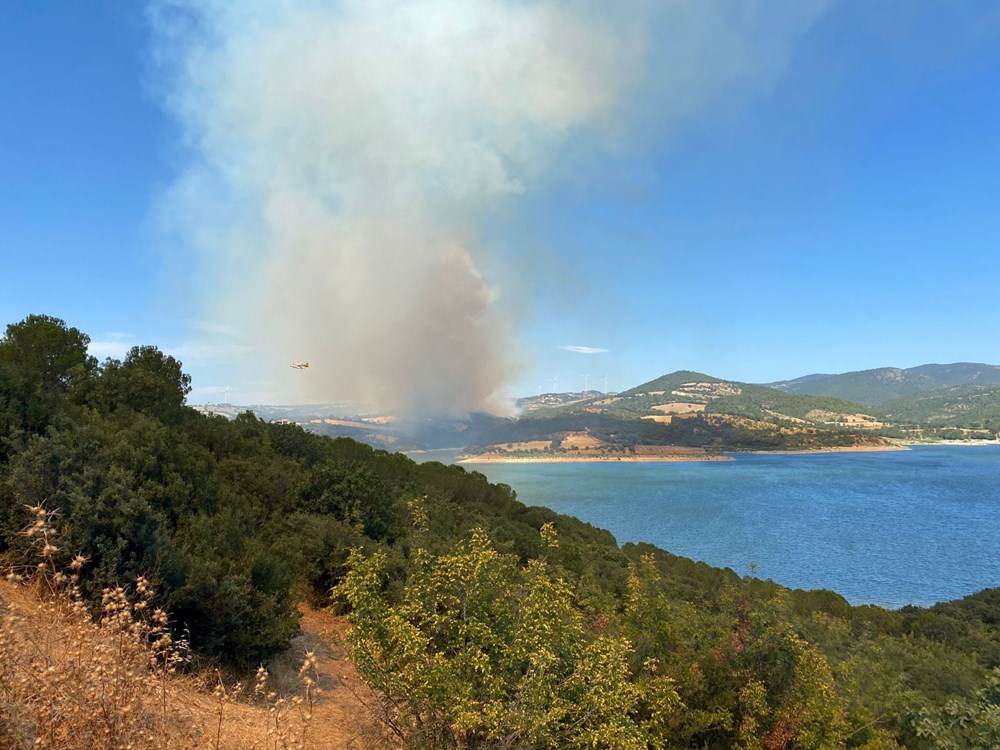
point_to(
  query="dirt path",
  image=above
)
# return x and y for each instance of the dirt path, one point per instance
(340, 716)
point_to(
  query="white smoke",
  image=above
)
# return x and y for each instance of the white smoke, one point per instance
(342, 156)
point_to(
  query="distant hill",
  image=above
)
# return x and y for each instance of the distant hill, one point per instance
(887, 383)
(550, 400)
(682, 409)
(684, 393)
(694, 410)
(960, 406)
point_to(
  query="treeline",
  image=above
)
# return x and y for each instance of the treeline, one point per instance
(481, 622)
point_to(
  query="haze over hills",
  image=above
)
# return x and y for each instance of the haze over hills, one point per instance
(886, 383)
(695, 411)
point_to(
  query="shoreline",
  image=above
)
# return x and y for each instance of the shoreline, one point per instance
(834, 449)
(494, 458)
(727, 456)
(587, 459)
(962, 443)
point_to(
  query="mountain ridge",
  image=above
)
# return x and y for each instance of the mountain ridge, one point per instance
(881, 384)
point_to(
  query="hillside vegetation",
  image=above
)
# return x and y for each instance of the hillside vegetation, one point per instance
(479, 622)
(691, 410)
(694, 410)
(707, 413)
(965, 406)
(695, 392)
(884, 384)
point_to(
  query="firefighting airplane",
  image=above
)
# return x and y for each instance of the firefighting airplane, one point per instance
(299, 365)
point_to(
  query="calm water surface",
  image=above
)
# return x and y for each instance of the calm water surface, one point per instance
(895, 528)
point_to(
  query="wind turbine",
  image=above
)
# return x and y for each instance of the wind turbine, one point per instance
(554, 379)
(605, 385)
(586, 382)
(226, 402)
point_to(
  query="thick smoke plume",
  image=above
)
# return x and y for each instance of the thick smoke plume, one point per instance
(342, 156)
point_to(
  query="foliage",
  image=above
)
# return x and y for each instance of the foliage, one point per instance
(41, 362)
(965, 722)
(147, 381)
(482, 652)
(733, 417)
(965, 406)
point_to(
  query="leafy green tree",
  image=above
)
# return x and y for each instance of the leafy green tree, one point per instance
(236, 597)
(41, 360)
(483, 652)
(964, 723)
(787, 696)
(147, 381)
(689, 642)
(351, 492)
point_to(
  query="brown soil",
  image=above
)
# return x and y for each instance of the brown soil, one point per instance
(344, 423)
(524, 445)
(642, 453)
(581, 440)
(852, 420)
(680, 407)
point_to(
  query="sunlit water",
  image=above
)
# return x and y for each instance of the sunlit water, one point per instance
(894, 528)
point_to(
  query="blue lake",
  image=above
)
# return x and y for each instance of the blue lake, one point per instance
(894, 528)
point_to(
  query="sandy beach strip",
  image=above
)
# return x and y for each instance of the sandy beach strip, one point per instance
(615, 458)
(834, 449)
(674, 457)
(950, 442)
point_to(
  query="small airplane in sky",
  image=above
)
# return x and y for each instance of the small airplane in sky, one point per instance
(299, 365)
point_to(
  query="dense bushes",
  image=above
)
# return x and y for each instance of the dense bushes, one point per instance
(235, 522)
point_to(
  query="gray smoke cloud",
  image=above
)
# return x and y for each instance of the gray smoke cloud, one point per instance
(341, 156)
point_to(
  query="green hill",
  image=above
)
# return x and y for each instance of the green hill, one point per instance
(807, 412)
(672, 381)
(887, 383)
(717, 396)
(963, 406)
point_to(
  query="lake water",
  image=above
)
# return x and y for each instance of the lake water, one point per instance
(893, 528)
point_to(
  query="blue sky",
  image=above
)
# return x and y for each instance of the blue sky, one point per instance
(838, 213)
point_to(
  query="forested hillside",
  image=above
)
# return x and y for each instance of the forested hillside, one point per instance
(689, 410)
(973, 407)
(887, 383)
(480, 622)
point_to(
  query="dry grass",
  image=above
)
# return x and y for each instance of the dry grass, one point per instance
(680, 407)
(70, 681)
(851, 420)
(582, 441)
(524, 445)
(674, 452)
